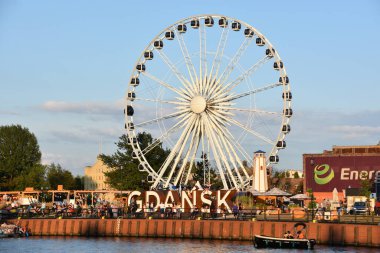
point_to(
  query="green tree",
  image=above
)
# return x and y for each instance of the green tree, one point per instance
(296, 175)
(124, 173)
(19, 152)
(79, 183)
(366, 188)
(56, 175)
(35, 177)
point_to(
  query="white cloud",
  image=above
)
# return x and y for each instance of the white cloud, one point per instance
(84, 107)
(12, 113)
(87, 134)
(355, 131)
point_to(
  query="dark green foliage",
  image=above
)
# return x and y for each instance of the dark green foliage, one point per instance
(296, 175)
(79, 183)
(125, 174)
(56, 175)
(19, 153)
(366, 188)
(34, 177)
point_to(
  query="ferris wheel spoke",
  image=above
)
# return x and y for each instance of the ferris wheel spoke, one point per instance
(176, 72)
(246, 110)
(208, 133)
(237, 145)
(252, 132)
(248, 93)
(222, 137)
(235, 60)
(188, 61)
(164, 136)
(217, 59)
(228, 139)
(202, 57)
(180, 152)
(230, 86)
(230, 142)
(173, 152)
(162, 101)
(166, 85)
(172, 115)
(189, 151)
(220, 152)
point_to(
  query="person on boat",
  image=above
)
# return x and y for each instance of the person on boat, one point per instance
(288, 235)
(300, 235)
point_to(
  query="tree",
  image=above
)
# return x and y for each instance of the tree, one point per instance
(35, 177)
(19, 152)
(124, 174)
(296, 175)
(56, 175)
(79, 183)
(366, 188)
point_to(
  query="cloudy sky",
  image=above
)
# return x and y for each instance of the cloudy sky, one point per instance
(65, 66)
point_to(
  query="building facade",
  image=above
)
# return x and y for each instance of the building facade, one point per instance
(341, 168)
(94, 178)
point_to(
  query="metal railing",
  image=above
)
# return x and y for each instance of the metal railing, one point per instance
(180, 213)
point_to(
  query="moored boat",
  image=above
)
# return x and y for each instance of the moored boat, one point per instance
(301, 242)
(10, 230)
(261, 241)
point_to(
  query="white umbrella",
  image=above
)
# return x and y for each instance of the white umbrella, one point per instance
(276, 192)
(300, 197)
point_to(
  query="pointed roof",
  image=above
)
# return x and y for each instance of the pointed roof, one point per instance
(276, 192)
(300, 196)
(259, 151)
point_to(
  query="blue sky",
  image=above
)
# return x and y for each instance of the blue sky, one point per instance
(65, 66)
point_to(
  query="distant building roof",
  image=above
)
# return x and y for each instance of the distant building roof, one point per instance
(259, 151)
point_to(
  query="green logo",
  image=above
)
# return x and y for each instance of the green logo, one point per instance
(322, 170)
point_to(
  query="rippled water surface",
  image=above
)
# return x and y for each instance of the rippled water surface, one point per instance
(127, 245)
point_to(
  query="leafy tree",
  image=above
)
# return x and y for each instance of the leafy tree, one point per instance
(124, 174)
(56, 175)
(287, 173)
(296, 175)
(366, 188)
(19, 152)
(79, 183)
(34, 177)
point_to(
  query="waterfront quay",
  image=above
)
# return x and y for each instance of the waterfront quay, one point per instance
(325, 233)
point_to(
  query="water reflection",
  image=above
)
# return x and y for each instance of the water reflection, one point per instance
(140, 245)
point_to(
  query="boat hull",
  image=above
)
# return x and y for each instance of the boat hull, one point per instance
(261, 241)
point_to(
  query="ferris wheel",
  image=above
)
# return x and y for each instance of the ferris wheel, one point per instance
(208, 84)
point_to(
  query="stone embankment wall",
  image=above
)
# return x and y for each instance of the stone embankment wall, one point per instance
(324, 233)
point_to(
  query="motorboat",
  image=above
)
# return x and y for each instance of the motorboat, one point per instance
(262, 241)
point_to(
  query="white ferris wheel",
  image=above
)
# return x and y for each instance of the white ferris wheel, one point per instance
(208, 84)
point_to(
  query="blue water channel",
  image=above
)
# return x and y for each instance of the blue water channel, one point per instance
(141, 245)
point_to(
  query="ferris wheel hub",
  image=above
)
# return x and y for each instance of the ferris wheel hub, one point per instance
(198, 104)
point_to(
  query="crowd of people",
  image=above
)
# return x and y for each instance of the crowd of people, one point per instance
(98, 206)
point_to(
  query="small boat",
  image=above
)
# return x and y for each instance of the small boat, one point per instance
(262, 241)
(10, 230)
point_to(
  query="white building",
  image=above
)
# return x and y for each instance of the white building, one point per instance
(260, 177)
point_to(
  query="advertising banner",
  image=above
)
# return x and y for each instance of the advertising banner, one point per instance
(324, 173)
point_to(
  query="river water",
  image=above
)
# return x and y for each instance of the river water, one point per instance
(141, 245)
